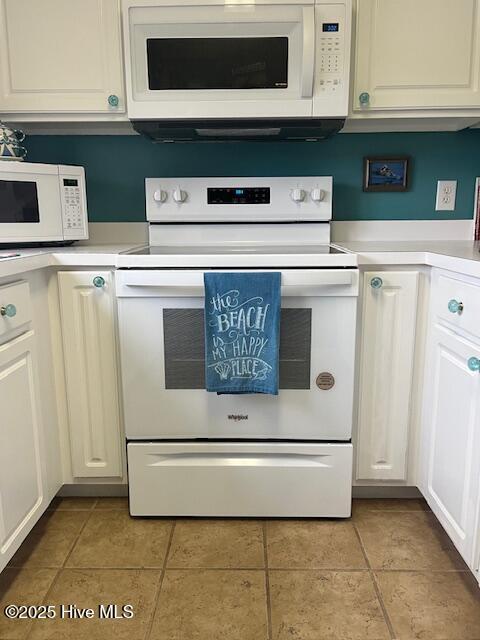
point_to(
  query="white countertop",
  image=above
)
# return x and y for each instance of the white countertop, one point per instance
(459, 256)
(75, 256)
(462, 256)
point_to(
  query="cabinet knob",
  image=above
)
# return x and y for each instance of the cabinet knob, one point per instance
(8, 310)
(364, 98)
(474, 364)
(376, 282)
(113, 100)
(99, 281)
(455, 307)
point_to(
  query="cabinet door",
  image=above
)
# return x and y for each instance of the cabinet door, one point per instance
(386, 368)
(412, 54)
(21, 473)
(451, 447)
(88, 328)
(60, 56)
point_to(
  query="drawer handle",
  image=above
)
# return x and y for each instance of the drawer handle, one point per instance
(455, 307)
(376, 282)
(99, 281)
(8, 310)
(474, 364)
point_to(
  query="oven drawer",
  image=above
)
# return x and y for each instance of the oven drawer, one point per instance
(240, 479)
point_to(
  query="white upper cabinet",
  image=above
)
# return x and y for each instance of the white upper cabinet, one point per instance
(61, 56)
(386, 371)
(412, 54)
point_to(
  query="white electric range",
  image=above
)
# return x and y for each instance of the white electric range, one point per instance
(195, 453)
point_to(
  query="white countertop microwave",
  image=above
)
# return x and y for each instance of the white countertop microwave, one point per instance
(234, 59)
(42, 203)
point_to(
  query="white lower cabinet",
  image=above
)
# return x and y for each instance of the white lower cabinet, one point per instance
(87, 303)
(386, 369)
(22, 499)
(451, 469)
(450, 456)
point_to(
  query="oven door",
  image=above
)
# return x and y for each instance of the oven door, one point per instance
(30, 206)
(219, 61)
(162, 360)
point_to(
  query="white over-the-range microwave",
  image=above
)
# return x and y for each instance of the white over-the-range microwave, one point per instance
(42, 203)
(234, 59)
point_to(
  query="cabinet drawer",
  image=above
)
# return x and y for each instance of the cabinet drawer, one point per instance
(15, 306)
(456, 300)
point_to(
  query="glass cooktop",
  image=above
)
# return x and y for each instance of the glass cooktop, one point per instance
(236, 249)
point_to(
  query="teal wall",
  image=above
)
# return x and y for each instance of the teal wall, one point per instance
(117, 165)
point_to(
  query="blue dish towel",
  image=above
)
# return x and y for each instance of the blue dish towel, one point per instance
(242, 332)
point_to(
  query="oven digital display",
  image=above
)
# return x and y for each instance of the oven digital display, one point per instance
(330, 26)
(238, 195)
(70, 182)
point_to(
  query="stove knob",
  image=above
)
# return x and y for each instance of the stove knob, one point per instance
(317, 195)
(179, 195)
(159, 195)
(297, 195)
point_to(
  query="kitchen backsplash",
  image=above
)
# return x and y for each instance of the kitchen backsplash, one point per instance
(116, 167)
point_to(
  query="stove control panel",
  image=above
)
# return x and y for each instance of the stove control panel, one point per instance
(277, 199)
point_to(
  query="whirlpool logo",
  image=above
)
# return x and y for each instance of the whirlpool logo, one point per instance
(238, 416)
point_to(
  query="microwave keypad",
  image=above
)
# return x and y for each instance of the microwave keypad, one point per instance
(331, 62)
(73, 207)
(330, 54)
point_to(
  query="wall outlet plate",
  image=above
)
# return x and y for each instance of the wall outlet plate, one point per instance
(446, 194)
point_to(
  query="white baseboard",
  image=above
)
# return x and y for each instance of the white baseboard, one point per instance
(399, 230)
(93, 490)
(383, 492)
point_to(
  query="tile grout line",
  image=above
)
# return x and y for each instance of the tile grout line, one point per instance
(160, 583)
(77, 537)
(376, 588)
(267, 582)
(60, 569)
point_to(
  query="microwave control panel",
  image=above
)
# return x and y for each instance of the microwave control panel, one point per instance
(330, 52)
(332, 58)
(74, 204)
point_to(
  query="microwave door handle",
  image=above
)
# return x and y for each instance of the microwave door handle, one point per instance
(308, 57)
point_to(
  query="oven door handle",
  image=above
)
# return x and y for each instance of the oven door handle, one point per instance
(190, 285)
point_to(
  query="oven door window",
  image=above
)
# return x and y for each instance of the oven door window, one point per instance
(18, 202)
(184, 348)
(217, 63)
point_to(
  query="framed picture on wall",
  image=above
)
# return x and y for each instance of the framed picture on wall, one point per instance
(382, 173)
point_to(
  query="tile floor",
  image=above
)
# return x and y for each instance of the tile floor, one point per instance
(388, 573)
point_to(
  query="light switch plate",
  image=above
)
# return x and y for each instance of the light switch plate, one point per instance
(446, 194)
